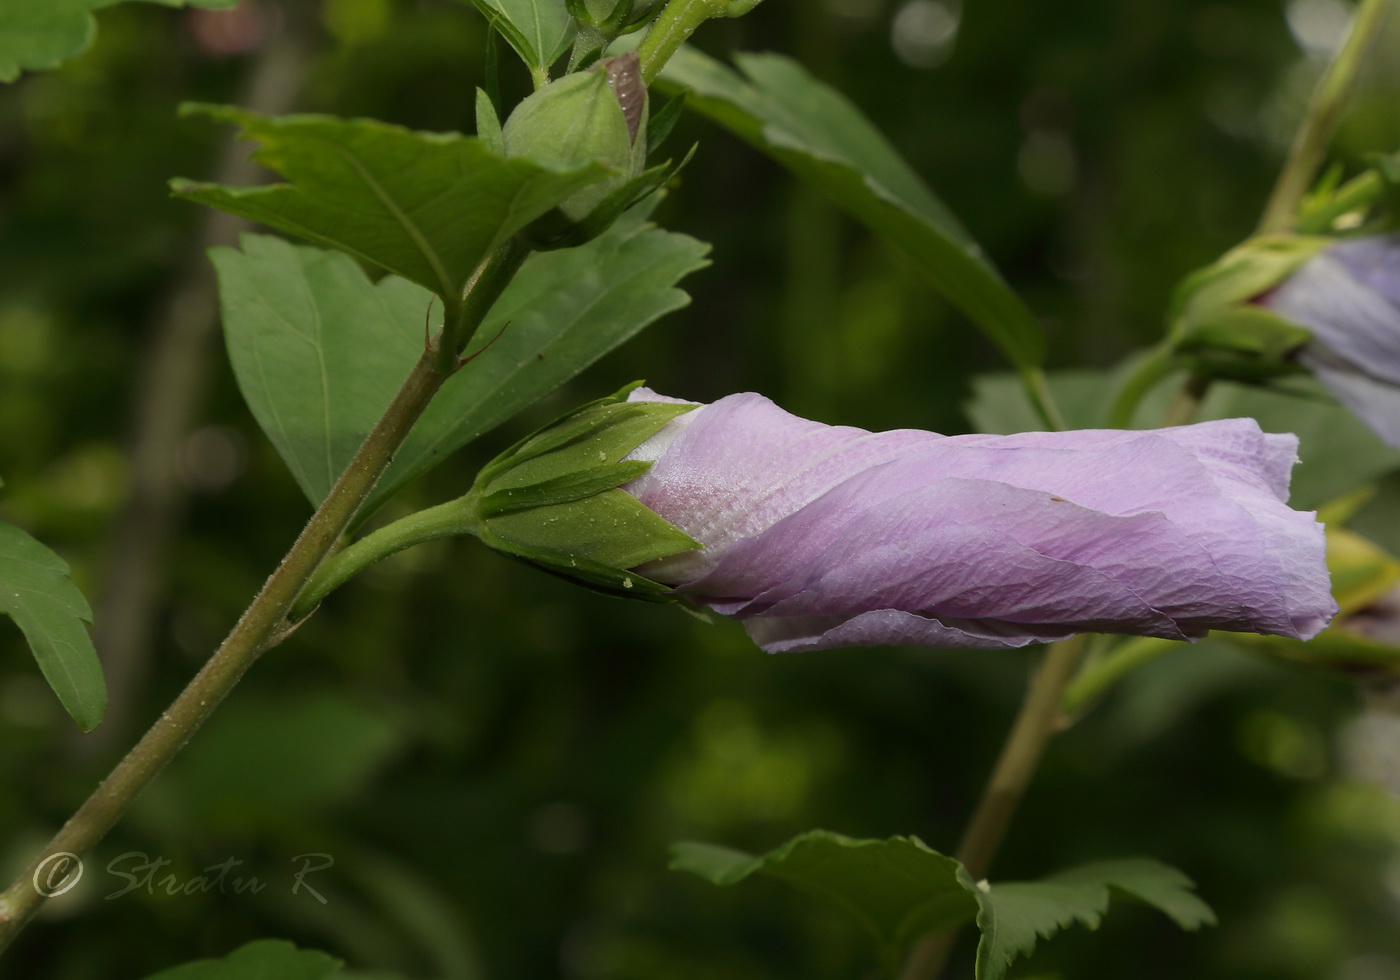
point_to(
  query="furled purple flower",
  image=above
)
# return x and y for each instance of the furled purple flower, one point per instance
(1349, 297)
(822, 536)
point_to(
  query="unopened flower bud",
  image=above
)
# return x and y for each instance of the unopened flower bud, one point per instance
(595, 116)
(820, 536)
(1348, 298)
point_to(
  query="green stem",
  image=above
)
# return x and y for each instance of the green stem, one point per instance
(265, 622)
(1187, 402)
(1150, 370)
(452, 518)
(262, 626)
(1036, 724)
(671, 29)
(1323, 115)
(483, 289)
(1098, 676)
(1038, 390)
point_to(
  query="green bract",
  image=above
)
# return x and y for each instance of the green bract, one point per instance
(1217, 328)
(553, 499)
(590, 117)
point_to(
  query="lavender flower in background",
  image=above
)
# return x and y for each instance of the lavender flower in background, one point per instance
(1349, 297)
(822, 536)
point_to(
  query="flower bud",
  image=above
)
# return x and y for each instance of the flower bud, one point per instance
(595, 116)
(1348, 298)
(820, 536)
(552, 499)
(614, 17)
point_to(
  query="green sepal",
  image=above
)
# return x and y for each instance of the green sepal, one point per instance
(1245, 343)
(553, 499)
(1367, 204)
(1216, 327)
(662, 121)
(564, 489)
(592, 575)
(556, 230)
(488, 124)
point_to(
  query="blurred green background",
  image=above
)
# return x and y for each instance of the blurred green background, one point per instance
(497, 761)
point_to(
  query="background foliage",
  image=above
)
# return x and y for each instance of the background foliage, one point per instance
(497, 761)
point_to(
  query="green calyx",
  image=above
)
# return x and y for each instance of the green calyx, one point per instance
(595, 116)
(554, 499)
(1218, 330)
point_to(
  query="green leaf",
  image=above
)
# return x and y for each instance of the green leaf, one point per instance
(37, 34)
(426, 206)
(899, 888)
(1015, 915)
(818, 134)
(562, 312)
(319, 350)
(1336, 451)
(262, 959)
(36, 593)
(538, 30)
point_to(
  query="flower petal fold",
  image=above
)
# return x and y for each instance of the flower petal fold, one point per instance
(819, 536)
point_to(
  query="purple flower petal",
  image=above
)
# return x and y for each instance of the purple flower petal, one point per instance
(819, 536)
(1349, 297)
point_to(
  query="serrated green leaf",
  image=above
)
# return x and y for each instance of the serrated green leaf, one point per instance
(426, 206)
(538, 30)
(38, 34)
(1336, 452)
(36, 593)
(262, 959)
(319, 350)
(899, 888)
(1014, 915)
(1151, 882)
(823, 138)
